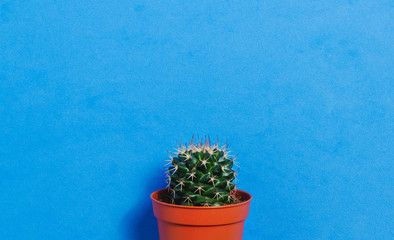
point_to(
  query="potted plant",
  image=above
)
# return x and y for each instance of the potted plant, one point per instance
(201, 200)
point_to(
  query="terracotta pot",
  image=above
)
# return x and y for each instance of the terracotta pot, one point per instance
(195, 223)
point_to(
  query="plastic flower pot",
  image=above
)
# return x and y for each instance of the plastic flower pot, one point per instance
(178, 222)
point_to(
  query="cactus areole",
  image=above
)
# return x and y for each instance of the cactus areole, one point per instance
(201, 192)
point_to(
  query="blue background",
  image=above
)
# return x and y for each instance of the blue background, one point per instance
(93, 93)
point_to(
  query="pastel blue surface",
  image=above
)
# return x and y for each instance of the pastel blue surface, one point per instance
(93, 93)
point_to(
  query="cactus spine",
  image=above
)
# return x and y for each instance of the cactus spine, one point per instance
(201, 174)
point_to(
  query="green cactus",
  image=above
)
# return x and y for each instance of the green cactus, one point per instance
(201, 174)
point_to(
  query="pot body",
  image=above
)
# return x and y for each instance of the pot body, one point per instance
(195, 223)
(171, 231)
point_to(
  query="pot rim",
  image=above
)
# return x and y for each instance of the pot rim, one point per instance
(202, 207)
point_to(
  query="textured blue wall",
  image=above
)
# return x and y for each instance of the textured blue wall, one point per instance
(93, 93)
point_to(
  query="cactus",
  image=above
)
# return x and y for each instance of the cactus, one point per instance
(201, 174)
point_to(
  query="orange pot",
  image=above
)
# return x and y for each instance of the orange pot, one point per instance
(178, 222)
